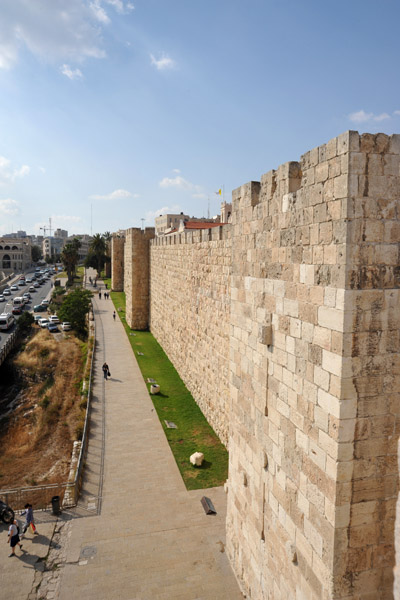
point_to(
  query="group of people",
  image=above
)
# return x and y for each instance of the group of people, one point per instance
(14, 536)
(105, 294)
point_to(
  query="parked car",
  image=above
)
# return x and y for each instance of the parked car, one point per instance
(66, 326)
(45, 302)
(52, 327)
(43, 323)
(39, 308)
(54, 319)
(37, 318)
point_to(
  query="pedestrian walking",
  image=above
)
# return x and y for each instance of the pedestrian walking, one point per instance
(99, 295)
(13, 537)
(29, 520)
(106, 371)
(114, 315)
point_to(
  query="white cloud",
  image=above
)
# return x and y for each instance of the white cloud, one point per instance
(8, 174)
(381, 117)
(200, 195)
(178, 182)
(362, 117)
(116, 195)
(42, 169)
(9, 207)
(99, 12)
(71, 73)
(55, 31)
(165, 62)
(396, 112)
(176, 171)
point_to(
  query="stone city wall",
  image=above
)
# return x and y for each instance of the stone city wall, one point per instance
(136, 276)
(285, 327)
(190, 314)
(312, 477)
(117, 263)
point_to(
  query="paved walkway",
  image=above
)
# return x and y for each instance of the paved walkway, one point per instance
(138, 533)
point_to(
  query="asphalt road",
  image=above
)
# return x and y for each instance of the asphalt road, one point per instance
(40, 293)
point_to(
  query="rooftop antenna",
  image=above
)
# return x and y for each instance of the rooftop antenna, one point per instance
(91, 219)
(50, 225)
(143, 220)
(208, 209)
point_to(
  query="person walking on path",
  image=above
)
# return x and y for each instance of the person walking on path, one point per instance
(114, 315)
(29, 520)
(13, 537)
(106, 371)
(99, 295)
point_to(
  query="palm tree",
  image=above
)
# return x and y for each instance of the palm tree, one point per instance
(98, 249)
(70, 257)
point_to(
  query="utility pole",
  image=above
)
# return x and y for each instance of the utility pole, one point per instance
(50, 225)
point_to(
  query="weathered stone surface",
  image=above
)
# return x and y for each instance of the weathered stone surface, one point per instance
(309, 413)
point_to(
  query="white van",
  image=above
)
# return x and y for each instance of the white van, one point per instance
(18, 301)
(6, 321)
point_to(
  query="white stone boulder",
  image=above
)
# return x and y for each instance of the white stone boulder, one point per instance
(154, 388)
(197, 459)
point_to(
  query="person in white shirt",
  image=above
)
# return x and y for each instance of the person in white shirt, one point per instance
(13, 537)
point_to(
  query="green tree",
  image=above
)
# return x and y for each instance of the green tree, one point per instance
(24, 323)
(97, 249)
(36, 253)
(70, 257)
(74, 309)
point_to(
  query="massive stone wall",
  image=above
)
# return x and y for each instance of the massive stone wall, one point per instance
(313, 479)
(285, 327)
(136, 276)
(190, 314)
(117, 263)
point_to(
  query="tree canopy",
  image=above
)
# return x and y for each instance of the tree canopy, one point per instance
(70, 257)
(36, 253)
(97, 252)
(74, 309)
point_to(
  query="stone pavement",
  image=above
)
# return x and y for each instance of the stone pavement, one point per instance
(137, 534)
(18, 575)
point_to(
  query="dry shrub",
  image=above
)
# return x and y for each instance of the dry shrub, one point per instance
(37, 442)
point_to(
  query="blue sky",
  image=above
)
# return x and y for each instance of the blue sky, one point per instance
(126, 109)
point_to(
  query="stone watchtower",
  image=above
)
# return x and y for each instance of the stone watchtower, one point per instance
(117, 263)
(315, 374)
(137, 276)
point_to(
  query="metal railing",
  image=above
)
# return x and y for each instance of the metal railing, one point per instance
(40, 495)
(9, 345)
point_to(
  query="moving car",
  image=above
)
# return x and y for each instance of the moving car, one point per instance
(36, 284)
(6, 321)
(7, 292)
(32, 288)
(14, 288)
(66, 326)
(17, 310)
(26, 295)
(2, 299)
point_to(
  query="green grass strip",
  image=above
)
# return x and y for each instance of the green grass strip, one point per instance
(175, 403)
